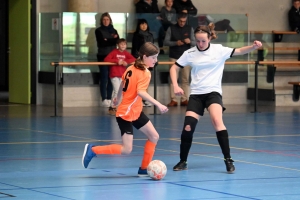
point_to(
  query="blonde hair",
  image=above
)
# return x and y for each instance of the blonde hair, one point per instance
(147, 49)
(209, 29)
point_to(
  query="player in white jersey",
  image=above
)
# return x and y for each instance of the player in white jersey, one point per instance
(207, 63)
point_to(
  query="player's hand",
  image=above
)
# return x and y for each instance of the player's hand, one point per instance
(162, 108)
(256, 44)
(125, 64)
(178, 91)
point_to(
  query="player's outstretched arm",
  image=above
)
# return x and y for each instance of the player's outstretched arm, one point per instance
(244, 50)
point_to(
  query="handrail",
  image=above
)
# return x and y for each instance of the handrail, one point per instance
(160, 63)
(285, 32)
(256, 63)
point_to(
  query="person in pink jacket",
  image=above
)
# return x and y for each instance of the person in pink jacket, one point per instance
(122, 58)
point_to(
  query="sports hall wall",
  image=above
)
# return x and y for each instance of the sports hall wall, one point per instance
(264, 15)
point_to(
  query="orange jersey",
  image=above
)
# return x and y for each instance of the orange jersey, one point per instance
(134, 80)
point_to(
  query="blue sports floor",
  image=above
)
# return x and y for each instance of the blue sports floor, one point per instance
(40, 156)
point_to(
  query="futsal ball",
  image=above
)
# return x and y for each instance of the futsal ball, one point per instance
(157, 169)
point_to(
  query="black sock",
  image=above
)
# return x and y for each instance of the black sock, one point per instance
(224, 142)
(184, 150)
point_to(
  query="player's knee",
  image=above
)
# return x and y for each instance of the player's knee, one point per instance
(189, 127)
(126, 150)
(217, 123)
(154, 138)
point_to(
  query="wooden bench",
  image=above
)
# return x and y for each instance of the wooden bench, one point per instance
(296, 90)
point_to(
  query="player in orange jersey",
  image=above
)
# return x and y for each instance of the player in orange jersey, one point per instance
(133, 89)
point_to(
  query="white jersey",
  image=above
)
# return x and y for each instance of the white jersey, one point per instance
(206, 67)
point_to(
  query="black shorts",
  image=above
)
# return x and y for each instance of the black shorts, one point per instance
(198, 102)
(126, 126)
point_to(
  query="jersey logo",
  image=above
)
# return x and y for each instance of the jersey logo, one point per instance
(191, 51)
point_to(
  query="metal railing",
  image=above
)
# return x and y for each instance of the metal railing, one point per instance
(256, 63)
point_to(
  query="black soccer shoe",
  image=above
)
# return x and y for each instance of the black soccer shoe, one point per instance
(182, 165)
(229, 165)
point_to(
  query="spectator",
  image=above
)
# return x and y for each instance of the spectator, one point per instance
(167, 17)
(185, 6)
(294, 16)
(106, 37)
(167, 14)
(146, 6)
(148, 9)
(141, 35)
(122, 58)
(179, 38)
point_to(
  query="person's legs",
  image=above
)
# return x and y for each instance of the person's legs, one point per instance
(145, 126)
(172, 94)
(195, 109)
(125, 148)
(216, 113)
(115, 81)
(185, 83)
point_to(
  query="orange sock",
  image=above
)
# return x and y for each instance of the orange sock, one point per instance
(107, 149)
(148, 154)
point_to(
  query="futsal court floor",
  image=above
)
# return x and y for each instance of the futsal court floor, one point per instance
(40, 156)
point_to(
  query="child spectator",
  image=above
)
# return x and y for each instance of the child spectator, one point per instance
(122, 58)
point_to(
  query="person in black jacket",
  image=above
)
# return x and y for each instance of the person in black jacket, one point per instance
(141, 35)
(146, 6)
(107, 38)
(294, 16)
(185, 6)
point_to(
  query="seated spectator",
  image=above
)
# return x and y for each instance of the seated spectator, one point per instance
(146, 6)
(185, 6)
(294, 16)
(141, 35)
(168, 14)
(167, 17)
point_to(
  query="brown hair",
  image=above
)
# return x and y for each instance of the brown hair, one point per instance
(209, 29)
(121, 40)
(147, 49)
(106, 14)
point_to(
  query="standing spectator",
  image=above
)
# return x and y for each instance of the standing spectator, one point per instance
(294, 16)
(141, 35)
(185, 6)
(106, 37)
(122, 58)
(179, 38)
(207, 61)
